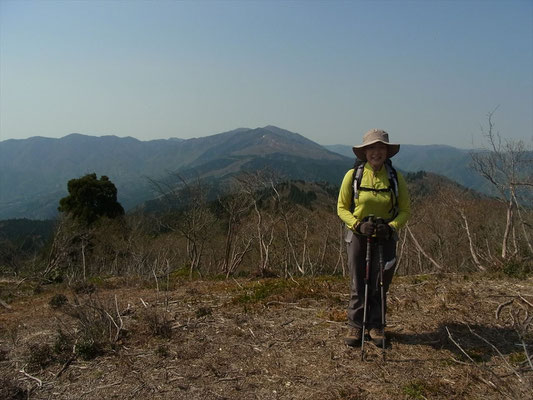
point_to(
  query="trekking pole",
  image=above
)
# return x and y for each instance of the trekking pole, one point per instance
(381, 268)
(367, 278)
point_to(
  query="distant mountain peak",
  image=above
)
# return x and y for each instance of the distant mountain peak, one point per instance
(275, 129)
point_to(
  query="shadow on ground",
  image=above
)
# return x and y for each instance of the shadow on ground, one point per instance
(479, 342)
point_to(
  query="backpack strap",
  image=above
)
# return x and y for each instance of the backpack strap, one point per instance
(393, 176)
(393, 181)
(357, 176)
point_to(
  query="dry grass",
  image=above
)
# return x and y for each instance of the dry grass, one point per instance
(274, 339)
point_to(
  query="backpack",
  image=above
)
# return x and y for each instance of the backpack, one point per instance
(358, 168)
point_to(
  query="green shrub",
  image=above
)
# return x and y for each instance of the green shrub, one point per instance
(58, 301)
(286, 290)
(95, 330)
(517, 358)
(158, 323)
(162, 351)
(183, 273)
(84, 287)
(415, 390)
(63, 346)
(517, 269)
(262, 291)
(203, 311)
(39, 355)
(88, 349)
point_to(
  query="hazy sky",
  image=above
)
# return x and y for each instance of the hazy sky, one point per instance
(426, 71)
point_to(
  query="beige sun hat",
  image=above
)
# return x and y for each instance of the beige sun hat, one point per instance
(374, 136)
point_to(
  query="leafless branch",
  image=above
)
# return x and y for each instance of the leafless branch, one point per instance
(470, 241)
(4, 304)
(39, 382)
(436, 264)
(459, 346)
(500, 308)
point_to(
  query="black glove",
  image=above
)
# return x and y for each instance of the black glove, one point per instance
(383, 231)
(366, 228)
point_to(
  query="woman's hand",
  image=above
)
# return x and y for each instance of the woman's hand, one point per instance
(383, 231)
(366, 228)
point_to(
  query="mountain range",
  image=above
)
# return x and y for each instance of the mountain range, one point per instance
(34, 172)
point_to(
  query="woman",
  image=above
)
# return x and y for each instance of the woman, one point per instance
(374, 203)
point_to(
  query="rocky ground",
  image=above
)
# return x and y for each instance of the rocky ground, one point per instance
(451, 337)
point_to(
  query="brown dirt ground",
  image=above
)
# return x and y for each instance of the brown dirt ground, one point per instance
(274, 339)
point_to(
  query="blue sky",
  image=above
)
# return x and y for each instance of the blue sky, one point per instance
(426, 71)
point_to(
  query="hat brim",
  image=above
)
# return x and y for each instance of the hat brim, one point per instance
(392, 149)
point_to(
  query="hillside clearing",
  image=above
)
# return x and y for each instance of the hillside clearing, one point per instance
(451, 337)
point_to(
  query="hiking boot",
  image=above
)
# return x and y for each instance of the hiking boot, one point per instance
(377, 335)
(353, 338)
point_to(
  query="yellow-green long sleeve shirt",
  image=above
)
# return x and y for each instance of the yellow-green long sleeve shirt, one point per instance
(369, 202)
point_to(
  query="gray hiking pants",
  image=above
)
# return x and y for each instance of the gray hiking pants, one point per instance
(356, 246)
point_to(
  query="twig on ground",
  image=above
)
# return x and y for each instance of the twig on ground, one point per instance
(234, 378)
(101, 387)
(65, 366)
(39, 382)
(526, 352)
(119, 328)
(281, 303)
(501, 306)
(459, 346)
(4, 304)
(487, 382)
(459, 361)
(176, 378)
(20, 282)
(525, 301)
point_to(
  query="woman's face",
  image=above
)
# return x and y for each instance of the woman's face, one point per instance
(376, 154)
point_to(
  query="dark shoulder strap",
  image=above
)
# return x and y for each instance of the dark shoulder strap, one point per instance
(393, 182)
(393, 177)
(357, 176)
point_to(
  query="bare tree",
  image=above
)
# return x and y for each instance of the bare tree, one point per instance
(508, 166)
(236, 206)
(285, 212)
(187, 214)
(254, 186)
(68, 250)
